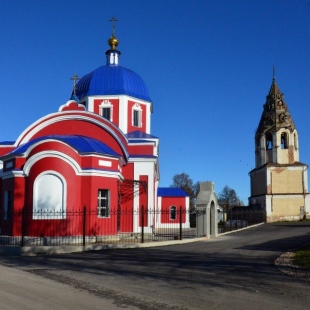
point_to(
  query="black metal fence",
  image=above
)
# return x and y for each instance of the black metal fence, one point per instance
(239, 217)
(85, 227)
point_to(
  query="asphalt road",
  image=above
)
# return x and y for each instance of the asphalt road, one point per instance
(234, 271)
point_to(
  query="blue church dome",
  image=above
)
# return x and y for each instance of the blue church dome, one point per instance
(112, 79)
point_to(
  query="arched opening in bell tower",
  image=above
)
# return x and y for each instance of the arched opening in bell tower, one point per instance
(284, 142)
(269, 144)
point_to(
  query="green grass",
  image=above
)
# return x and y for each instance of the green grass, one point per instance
(302, 257)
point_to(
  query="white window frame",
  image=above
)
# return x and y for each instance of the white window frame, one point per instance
(173, 213)
(137, 109)
(106, 104)
(103, 195)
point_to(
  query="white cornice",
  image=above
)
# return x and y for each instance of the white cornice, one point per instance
(144, 159)
(116, 97)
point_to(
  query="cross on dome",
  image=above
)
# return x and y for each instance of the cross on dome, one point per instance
(113, 20)
(75, 78)
(113, 42)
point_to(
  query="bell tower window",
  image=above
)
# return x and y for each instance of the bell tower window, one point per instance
(269, 141)
(284, 144)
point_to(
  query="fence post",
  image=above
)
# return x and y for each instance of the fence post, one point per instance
(180, 222)
(23, 227)
(84, 225)
(142, 224)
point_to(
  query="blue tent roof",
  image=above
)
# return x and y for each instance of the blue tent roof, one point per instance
(112, 80)
(81, 144)
(171, 192)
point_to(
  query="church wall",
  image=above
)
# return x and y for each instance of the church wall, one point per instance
(65, 170)
(269, 156)
(283, 157)
(16, 187)
(143, 201)
(132, 105)
(89, 195)
(51, 165)
(112, 103)
(163, 218)
(144, 168)
(126, 205)
(259, 179)
(100, 162)
(4, 149)
(287, 207)
(287, 181)
(123, 116)
(142, 149)
(80, 191)
(259, 200)
(166, 204)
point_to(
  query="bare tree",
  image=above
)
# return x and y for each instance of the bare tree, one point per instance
(184, 182)
(229, 197)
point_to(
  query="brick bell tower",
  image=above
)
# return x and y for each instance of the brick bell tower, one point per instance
(279, 182)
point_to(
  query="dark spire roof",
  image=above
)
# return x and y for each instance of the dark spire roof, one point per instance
(276, 114)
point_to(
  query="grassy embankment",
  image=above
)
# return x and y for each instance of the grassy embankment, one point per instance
(302, 257)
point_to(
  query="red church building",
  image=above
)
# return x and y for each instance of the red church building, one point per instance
(96, 152)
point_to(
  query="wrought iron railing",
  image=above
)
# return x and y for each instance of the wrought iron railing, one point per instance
(85, 227)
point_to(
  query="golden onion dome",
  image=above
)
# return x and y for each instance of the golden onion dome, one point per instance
(113, 42)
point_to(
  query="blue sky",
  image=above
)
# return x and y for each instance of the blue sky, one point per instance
(207, 64)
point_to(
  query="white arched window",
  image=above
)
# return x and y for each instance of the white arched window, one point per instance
(137, 115)
(106, 110)
(173, 213)
(49, 192)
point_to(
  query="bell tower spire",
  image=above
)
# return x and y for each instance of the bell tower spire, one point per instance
(279, 182)
(276, 138)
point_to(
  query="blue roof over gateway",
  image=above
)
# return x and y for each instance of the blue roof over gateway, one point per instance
(81, 144)
(112, 80)
(171, 192)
